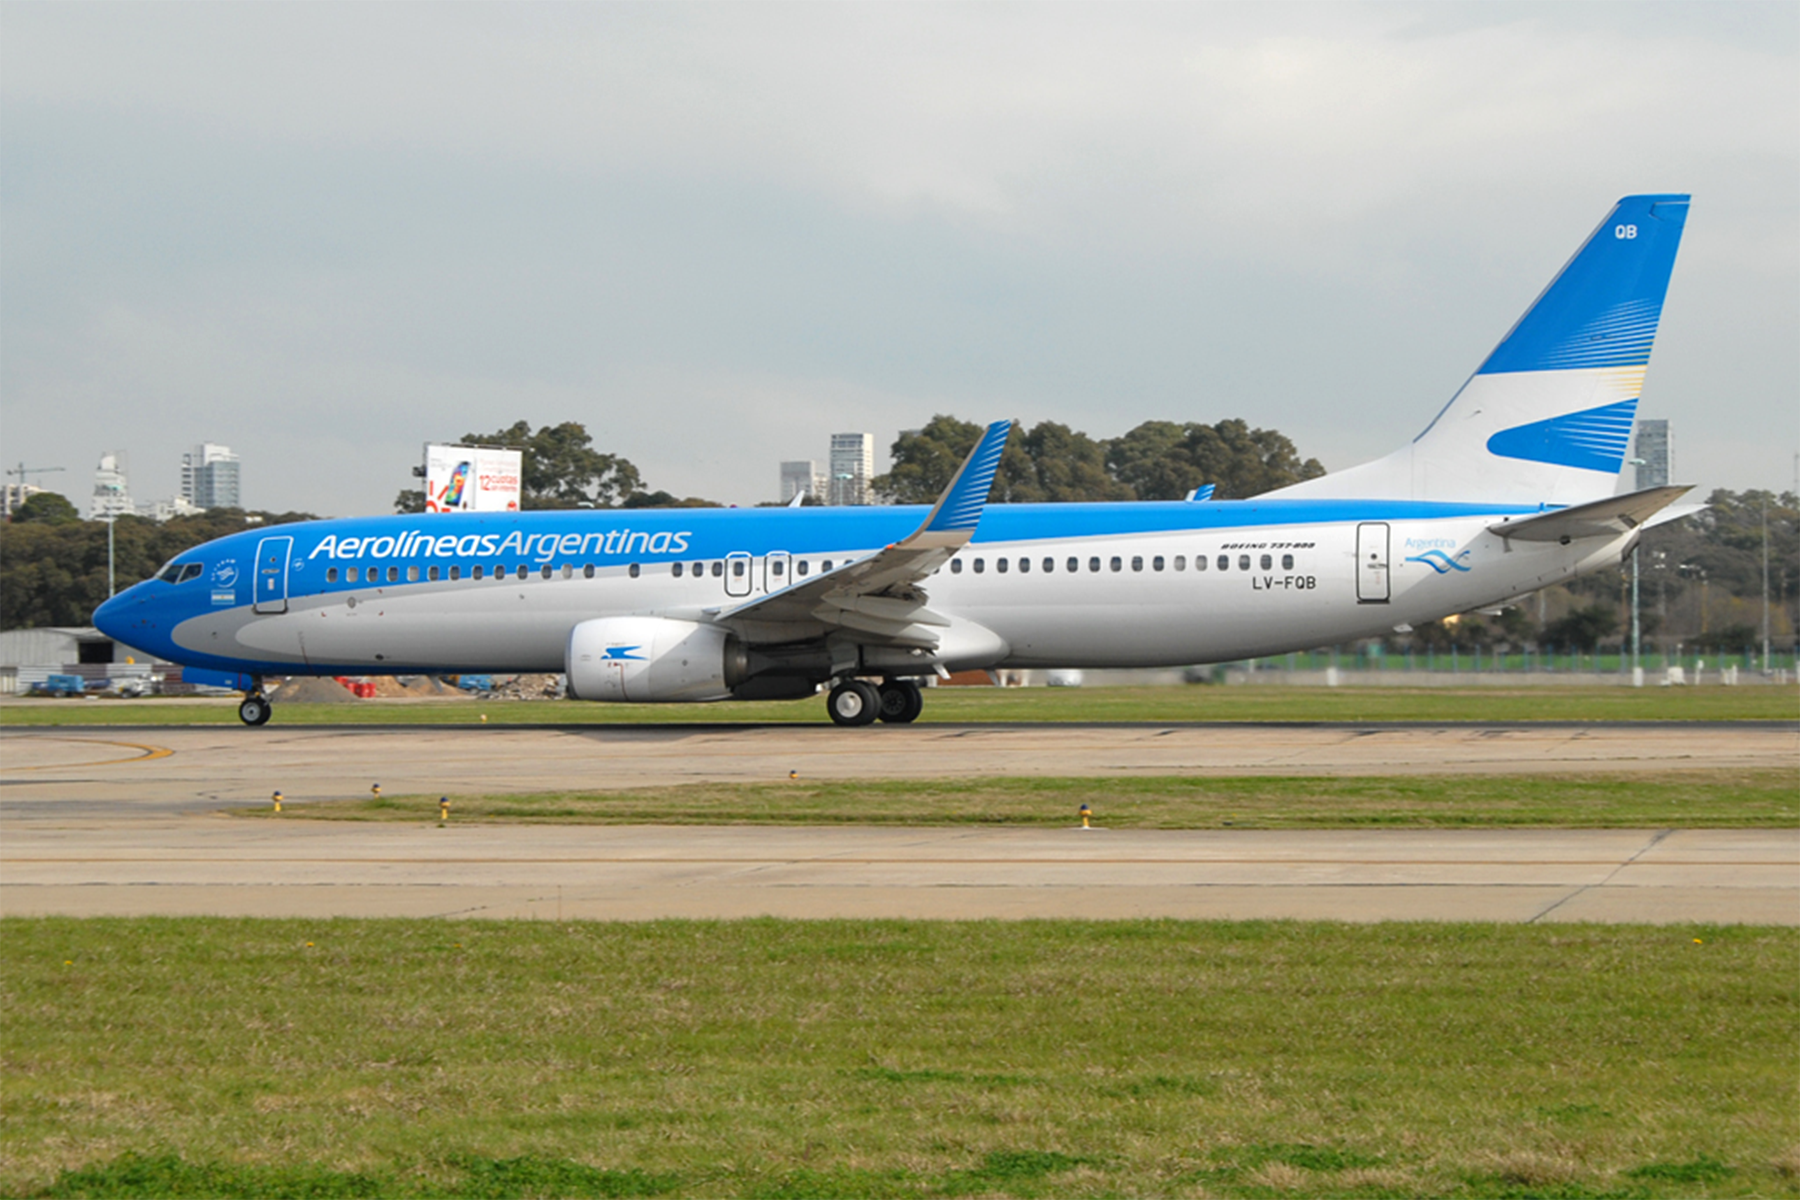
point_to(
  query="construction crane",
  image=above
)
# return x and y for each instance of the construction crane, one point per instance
(23, 473)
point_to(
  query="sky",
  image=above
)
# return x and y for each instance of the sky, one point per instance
(324, 234)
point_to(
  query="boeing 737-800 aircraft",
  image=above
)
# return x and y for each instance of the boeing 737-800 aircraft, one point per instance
(1510, 488)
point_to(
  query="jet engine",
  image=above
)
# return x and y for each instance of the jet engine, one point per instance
(649, 660)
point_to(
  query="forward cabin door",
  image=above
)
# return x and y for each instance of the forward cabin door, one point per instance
(272, 554)
(1372, 562)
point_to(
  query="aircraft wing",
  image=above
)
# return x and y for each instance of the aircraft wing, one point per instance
(1608, 518)
(877, 599)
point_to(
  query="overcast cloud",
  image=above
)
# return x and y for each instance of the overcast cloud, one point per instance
(324, 234)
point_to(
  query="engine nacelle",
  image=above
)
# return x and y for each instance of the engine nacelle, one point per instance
(651, 660)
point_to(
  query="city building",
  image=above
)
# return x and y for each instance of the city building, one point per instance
(1655, 454)
(802, 477)
(852, 466)
(112, 489)
(15, 495)
(209, 478)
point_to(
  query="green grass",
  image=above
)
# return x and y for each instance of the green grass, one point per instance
(1696, 799)
(905, 1059)
(957, 705)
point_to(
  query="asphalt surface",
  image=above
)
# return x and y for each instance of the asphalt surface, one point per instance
(123, 821)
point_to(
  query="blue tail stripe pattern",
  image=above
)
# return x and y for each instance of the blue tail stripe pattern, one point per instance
(1593, 440)
(1602, 309)
(961, 507)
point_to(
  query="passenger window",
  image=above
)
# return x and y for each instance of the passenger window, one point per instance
(544, 573)
(956, 566)
(1243, 562)
(587, 572)
(675, 570)
(1224, 562)
(1267, 562)
(353, 574)
(718, 569)
(568, 572)
(1181, 562)
(778, 568)
(455, 573)
(331, 575)
(825, 566)
(800, 568)
(1199, 562)
(1000, 565)
(1024, 565)
(1156, 564)
(499, 570)
(737, 568)
(412, 574)
(1119, 565)
(1074, 565)
(1093, 564)
(434, 573)
(1137, 562)
(393, 574)
(980, 565)
(1287, 562)
(1049, 565)
(633, 570)
(476, 573)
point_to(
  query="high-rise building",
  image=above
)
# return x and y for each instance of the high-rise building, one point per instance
(112, 489)
(802, 478)
(852, 467)
(209, 477)
(1655, 453)
(14, 495)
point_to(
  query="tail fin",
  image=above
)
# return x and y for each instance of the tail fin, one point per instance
(1547, 417)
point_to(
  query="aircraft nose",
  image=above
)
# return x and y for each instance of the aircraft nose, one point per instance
(110, 618)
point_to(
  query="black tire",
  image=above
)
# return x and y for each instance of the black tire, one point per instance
(853, 702)
(255, 710)
(901, 702)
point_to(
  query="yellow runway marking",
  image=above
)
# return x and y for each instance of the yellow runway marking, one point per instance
(149, 752)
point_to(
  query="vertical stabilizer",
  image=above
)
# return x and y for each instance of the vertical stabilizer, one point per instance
(1546, 419)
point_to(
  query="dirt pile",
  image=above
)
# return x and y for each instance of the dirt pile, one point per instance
(311, 689)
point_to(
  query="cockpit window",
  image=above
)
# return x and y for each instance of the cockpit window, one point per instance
(180, 572)
(170, 572)
(190, 571)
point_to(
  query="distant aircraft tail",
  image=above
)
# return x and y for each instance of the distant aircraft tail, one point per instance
(1548, 416)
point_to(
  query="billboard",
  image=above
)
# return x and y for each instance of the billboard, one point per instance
(471, 479)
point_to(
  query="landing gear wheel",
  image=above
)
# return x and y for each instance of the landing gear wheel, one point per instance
(853, 702)
(255, 710)
(901, 701)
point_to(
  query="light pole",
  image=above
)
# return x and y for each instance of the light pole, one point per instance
(1637, 666)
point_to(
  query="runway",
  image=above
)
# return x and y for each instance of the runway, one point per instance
(324, 869)
(125, 821)
(119, 773)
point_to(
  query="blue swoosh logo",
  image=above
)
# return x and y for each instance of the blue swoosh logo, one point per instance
(1440, 562)
(622, 654)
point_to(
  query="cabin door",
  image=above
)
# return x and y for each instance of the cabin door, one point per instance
(1372, 562)
(272, 554)
(740, 573)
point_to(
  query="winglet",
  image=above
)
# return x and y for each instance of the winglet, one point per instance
(953, 518)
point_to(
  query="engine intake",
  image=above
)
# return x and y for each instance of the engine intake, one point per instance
(653, 660)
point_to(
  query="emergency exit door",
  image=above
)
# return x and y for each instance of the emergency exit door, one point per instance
(272, 554)
(1372, 562)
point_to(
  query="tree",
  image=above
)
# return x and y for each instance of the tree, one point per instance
(666, 500)
(925, 462)
(1582, 628)
(47, 507)
(1161, 460)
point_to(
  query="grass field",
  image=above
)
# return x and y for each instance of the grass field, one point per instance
(830, 1058)
(1199, 703)
(1698, 799)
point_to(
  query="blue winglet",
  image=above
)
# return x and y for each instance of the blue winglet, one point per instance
(958, 510)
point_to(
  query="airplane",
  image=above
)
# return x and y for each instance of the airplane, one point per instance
(1510, 488)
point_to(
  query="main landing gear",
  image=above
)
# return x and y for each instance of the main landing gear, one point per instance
(256, 709)
(854, 702)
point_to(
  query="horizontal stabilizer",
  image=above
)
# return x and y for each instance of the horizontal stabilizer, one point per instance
(1608, 518)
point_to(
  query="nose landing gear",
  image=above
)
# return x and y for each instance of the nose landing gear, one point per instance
(256, 709)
